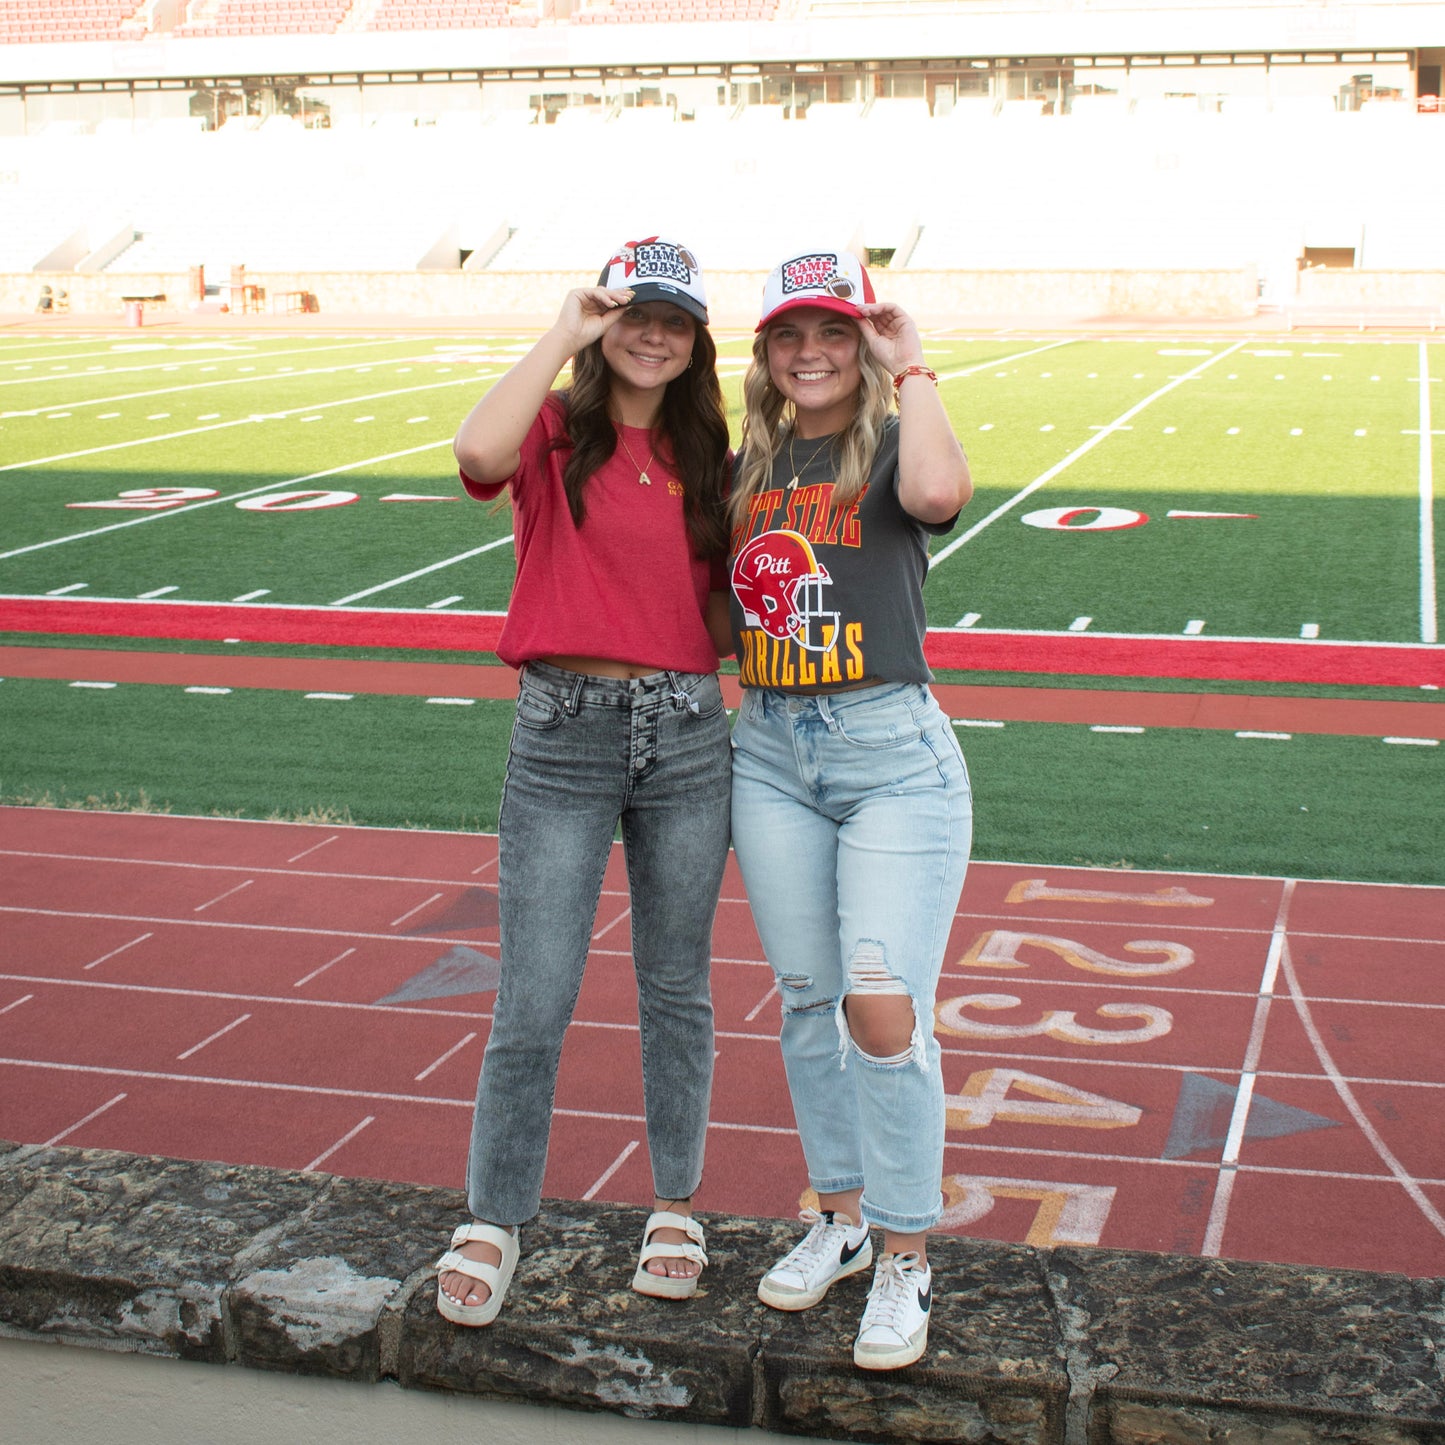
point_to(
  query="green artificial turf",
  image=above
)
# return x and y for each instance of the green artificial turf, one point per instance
(1313, 441)
(1170, 799)
(1204, 801)
(382, 761)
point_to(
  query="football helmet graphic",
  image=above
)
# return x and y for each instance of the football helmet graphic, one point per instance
(780, 583)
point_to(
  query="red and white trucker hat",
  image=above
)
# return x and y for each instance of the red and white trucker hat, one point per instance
(834, 280)
(658, 270)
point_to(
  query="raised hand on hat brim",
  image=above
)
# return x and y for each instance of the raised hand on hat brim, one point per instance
(933, 475)
(488, 442)
(589, 312)
(891, 334)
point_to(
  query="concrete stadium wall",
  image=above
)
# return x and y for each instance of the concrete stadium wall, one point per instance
(934, 298)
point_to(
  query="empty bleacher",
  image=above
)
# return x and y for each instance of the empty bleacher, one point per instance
(52, 21)
(262, 17)
(446, 14)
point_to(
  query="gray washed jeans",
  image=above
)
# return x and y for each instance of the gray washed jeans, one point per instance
(588, 753)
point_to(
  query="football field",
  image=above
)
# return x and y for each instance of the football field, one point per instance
(1132, 486)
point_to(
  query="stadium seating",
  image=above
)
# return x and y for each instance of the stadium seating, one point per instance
(446, 14)
(263, 17)
(51, 21)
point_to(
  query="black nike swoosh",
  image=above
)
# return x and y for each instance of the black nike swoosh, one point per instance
(851, 1252)
(925, 1298)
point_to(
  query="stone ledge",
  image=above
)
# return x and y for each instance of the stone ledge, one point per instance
(317, 1275)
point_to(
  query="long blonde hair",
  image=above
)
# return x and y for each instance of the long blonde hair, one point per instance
(769, 418)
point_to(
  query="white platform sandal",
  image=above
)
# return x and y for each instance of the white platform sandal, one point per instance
(666, 1286)
(496, 1277)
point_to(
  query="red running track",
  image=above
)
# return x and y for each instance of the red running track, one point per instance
(1245, 1067)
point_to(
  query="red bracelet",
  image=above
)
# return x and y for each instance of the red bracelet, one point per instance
(913, 371)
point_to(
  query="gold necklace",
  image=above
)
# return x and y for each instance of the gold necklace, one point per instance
(643, 479)
(793, 466)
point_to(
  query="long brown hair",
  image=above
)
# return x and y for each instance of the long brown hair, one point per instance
(769, 418)
(693, 422)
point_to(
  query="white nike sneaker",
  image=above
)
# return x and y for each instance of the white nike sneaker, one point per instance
(894, 1331)
(831, 1250)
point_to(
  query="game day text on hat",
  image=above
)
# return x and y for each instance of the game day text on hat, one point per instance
(834, 280)
(658, 270)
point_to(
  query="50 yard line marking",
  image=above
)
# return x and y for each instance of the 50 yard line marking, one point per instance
(1117, 424)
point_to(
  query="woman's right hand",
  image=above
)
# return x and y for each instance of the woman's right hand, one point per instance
(590, 312)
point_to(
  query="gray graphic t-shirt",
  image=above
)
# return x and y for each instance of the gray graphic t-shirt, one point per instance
(825, 597)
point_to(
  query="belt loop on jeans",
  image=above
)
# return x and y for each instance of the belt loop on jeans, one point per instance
(824, 711)
(574, 695)
(680, 696)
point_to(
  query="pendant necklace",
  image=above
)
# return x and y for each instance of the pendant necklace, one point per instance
(795, 468)
(643, 479)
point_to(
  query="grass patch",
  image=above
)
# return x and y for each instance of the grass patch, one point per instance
(1175, 800)
(382, 761)
(1199, 801)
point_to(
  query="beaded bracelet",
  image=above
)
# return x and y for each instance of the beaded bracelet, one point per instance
(913, 371)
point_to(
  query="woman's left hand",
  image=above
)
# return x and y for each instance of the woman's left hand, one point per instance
(891, 335)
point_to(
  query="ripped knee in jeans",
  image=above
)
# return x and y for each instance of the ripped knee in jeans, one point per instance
(870, 977)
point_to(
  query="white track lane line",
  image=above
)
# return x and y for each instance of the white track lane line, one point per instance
(80, 1123)
(612, 1168)
(1346, 1094)
(456, 1048)
(114, 951)
(346, 1138)
(379, 1096)
(1244, 1095)
(1118, 424)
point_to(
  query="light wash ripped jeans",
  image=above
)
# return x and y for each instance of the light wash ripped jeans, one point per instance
(587, 753)
(852, 821)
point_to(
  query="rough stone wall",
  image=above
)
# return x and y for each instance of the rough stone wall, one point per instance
(310, 1274)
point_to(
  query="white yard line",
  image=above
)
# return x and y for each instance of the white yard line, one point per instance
(250, 420)
(1118, 424)
(206, 354)
(1004, 360)
(422, 571)
(230, 498)
(1429, 627)
(208, 385)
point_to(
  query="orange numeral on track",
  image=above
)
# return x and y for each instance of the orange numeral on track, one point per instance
(999, 948)
(988, 1096)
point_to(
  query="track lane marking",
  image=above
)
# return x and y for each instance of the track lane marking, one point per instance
(80, 1123)
(1346, 1095)
(1248, 1073)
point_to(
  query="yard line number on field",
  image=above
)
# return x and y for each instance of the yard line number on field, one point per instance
(1043, 479)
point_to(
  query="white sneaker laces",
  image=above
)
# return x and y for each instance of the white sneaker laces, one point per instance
(822, 1240)
(893, 1293)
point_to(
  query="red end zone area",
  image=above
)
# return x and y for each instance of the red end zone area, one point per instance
(1204, 1065)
